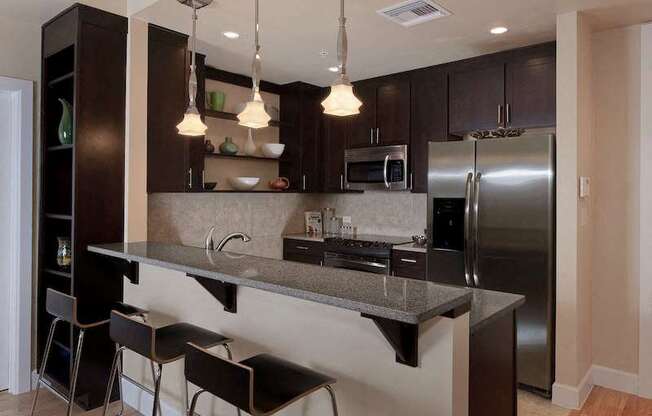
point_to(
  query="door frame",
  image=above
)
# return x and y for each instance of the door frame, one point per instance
(20, 233)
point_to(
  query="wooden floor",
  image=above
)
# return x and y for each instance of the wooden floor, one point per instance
(602, 402)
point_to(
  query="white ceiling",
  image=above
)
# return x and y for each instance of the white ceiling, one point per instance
(293, 32)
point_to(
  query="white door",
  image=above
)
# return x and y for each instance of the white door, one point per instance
(6, 113)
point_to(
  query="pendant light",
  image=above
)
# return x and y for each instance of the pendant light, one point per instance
(254, 115)
(192, 125)
(341, 101)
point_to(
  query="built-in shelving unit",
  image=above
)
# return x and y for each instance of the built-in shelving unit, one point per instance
(243, 157)
(82, 187)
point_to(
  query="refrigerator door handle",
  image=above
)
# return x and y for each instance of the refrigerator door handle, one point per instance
(467, 229)
(476, 233)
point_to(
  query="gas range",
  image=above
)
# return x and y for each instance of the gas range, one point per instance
(362, 251)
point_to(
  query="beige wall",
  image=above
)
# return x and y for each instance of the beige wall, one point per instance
(616, 86)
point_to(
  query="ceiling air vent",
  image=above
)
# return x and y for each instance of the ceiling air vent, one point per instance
(413, 12)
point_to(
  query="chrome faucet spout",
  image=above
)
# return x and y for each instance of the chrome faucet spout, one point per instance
(242, 236)
(209, 244)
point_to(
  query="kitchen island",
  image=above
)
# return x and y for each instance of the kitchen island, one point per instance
(411, 356)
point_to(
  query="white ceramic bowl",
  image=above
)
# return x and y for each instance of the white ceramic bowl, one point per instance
(274, 150)
(243, 183)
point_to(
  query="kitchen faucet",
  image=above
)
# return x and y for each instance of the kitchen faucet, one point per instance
(210, 244)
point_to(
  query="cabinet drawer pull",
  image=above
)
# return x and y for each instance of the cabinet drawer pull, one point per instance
(371, 136)
(500, 115)
(190, 178)
(509, 114)
(408, 261)
(341, 182)
(377, 135)
(302, 248)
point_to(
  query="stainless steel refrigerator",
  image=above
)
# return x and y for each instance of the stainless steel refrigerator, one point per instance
(491, 225)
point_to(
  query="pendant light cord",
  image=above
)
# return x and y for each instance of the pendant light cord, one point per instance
(192, 84)
(342, 42)
(256, 65)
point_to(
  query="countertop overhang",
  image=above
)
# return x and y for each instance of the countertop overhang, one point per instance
(394, 298)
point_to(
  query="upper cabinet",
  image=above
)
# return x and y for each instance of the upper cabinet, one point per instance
(175, 163)
(334, 141)
(429, 118)
(514, 89)
(384, 117)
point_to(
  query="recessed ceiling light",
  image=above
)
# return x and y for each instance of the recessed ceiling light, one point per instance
(334, 68)
(231, 35)
(498, 30)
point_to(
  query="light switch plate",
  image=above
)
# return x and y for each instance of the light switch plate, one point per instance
(585, 187)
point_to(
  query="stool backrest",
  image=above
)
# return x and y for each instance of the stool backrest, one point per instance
(228, 380)
(135, 335)
(61, 305)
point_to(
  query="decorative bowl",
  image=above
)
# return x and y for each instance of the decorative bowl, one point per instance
(243, 183)
(274, 150)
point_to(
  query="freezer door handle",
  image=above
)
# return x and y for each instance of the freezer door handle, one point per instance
(467, 229)
(476, 232)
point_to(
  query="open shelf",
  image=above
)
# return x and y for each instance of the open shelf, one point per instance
(245, 157)
(60, 79)
(234, 117)
(261, 191)
(58, 217)
(60, 273)
(60, 147)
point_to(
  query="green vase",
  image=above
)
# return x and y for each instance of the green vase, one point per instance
(65, 124)
(228, 147)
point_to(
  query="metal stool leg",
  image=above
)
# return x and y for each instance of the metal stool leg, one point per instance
(230, 356)
(112, 374)
(75, 371)
(44, 361)
(330, 391)
(157, 390)
(151, 364)
(191, 411)
(122, 397)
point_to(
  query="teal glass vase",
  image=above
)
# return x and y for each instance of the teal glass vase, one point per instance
(228, 147)
(65, 124)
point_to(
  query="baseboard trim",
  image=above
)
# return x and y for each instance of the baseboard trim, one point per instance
(615, 379)
(572, 397)
(141, 399)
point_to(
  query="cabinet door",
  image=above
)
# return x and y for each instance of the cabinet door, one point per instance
(290, 162)
(476, 98)
(393, 111)
(334, 143)
(166, 100)
(531, 92)
(429, 121)
(362, 129)
(310, 140)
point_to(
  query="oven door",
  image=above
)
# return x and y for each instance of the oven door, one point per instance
(381, 168)
(363, 264)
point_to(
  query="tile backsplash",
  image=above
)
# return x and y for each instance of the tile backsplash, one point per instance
(185, 218)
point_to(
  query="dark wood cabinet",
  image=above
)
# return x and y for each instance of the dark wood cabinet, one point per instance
(175, 163)
(476, 98)
(334, 141)
(300, 132)
(531, 92)
(84, 55)
(303, 251)
(429, 120)
(362, 130)
(410, 264)
(384, 117)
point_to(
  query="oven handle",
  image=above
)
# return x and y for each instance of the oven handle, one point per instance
(385, 171)
(333, 260)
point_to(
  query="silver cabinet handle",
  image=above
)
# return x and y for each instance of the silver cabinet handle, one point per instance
(203, 179)
(303, 182)
(476, 232)
(385, 171)
(341, 182)
(411, 180)
(500, 114)
(371, 136)
(190, 178)
(377, 135)
(467, 229)
(302, 248)
(508, 111)
(408, 260)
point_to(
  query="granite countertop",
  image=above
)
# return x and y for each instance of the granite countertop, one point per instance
(488, 306)
(410, 247)
(404, 300)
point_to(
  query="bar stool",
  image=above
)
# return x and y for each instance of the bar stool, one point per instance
(260, 385)
(160, 345)
(64, 308)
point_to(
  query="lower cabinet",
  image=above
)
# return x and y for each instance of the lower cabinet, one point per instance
(303, 251)
(492, 368)
(410, 264)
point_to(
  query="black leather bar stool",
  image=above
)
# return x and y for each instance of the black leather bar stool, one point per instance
(260, 385)
(64, 308)
(160, 345)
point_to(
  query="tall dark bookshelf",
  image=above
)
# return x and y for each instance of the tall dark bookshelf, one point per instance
(84, 55)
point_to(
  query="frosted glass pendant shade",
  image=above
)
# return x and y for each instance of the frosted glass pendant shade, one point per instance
(191, 125)
(341, 101)
(254, 115)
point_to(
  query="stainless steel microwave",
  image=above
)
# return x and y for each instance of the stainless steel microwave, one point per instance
(380, 168)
